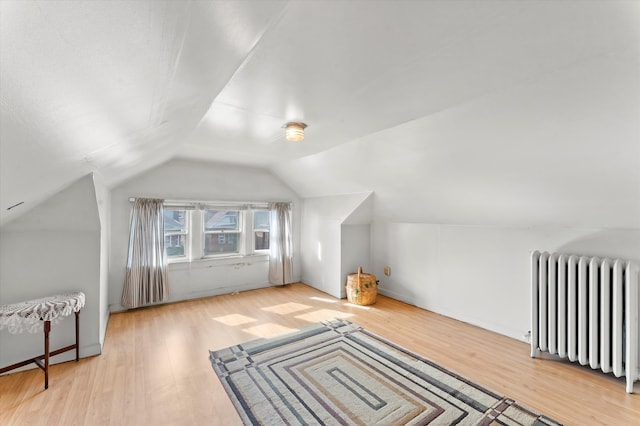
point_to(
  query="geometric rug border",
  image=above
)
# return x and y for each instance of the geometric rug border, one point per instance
(284, 380)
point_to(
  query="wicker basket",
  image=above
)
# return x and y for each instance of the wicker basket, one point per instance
(362, 288)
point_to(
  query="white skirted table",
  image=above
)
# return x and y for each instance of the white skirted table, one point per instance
(34, 315)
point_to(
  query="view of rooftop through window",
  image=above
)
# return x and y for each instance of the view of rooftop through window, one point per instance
(215, 232)
(261, 227)
(175, 232)
(222, 231)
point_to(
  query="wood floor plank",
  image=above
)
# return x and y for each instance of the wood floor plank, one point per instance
(154, 368)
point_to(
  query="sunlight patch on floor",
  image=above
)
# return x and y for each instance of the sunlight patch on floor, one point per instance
(269, 329)
(323, 314)
(323, 299)
(234, 319)
(353, 305)
(286, 308)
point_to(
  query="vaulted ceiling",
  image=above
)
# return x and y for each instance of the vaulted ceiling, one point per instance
(444, 100)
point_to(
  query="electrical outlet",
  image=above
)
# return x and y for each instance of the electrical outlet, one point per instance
(387, 271)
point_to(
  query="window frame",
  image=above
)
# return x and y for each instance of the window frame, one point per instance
(254, 230)
(238, 232)
(195, 232)
(187, 233)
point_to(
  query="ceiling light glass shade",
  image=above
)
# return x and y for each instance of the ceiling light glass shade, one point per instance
(294, 131)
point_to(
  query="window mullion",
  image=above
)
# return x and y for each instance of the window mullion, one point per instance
(197, 234)
(247, 223)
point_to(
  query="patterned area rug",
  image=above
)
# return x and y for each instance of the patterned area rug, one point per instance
(335, 372)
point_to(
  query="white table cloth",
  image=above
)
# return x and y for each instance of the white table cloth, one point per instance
(29, 315)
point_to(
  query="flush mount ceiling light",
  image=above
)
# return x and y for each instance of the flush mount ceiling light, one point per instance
(294, 131)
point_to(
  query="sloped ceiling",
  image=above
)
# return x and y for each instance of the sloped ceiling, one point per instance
(449, 111)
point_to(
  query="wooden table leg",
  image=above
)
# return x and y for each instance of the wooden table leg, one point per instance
(77, 336)
(47, 329)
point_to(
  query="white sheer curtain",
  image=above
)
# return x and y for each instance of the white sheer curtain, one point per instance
(146, 281)
(280, 244)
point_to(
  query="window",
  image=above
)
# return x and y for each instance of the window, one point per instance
(196, 231)
(221, 232)
(261, 226)
(176, 233)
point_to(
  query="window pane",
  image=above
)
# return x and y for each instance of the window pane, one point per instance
(262, 240)
(221, 220)
(175, 232)
(174, 221)
(261, 220)
(220, 243)
(261, 227)
(174, 244)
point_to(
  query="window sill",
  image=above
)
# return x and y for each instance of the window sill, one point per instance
(207, 262)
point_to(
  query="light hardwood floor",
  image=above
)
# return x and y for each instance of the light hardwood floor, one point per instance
(154, 368)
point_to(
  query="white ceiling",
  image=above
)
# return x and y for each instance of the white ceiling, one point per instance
(118, 87)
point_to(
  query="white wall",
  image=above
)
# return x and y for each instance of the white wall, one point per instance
(355, 252)
(477, 274)
(199, 181)
(320, 247)
(53, 248)
(103, 197)
(356, 241)
(321, 239)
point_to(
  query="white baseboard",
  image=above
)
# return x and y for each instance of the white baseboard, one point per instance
(514, 334)
(394, 295)
(116, 307)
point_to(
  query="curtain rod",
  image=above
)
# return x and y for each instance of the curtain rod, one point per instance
(220, 203)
